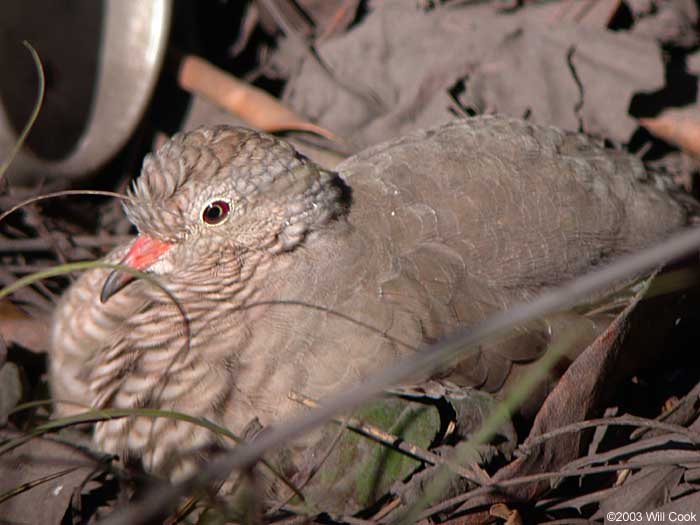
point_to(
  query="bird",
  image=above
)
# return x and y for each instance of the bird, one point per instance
(291, 277)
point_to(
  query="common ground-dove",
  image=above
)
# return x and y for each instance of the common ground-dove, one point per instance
(296, 278)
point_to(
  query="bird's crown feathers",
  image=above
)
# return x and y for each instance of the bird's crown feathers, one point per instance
(254, 174)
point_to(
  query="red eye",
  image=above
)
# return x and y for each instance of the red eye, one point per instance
(216, 212)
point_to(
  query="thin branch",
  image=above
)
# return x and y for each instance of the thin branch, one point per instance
(60, 194)
(41, 244)
(634, 421)
(534, 478)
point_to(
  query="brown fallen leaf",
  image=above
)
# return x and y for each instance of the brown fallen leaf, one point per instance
(511, 517)
(576, 396)
(38, 481)
(592, 13)
(255, 106)
(16, 326)
(680, 127)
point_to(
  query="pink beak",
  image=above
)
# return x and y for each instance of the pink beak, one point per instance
(143, 253)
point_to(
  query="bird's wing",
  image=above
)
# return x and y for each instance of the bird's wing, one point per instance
(452, 224)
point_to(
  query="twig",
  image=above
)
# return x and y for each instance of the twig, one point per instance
(61, 193)
(684, 411)
(634, 421)
(40, 244)
(533, 478)
(386, 509)
(667, 442)
(31, 484)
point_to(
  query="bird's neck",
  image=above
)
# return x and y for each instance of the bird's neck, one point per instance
(178, 329)
(229, 282)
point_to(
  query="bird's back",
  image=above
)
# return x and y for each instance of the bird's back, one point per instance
(447, 226)
(525, 206)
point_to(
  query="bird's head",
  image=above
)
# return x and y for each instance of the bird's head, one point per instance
(213, 194)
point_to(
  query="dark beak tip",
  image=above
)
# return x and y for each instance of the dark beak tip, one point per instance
(114, 282)
(105, 295)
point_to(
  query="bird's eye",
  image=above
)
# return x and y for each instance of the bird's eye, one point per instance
(216, 212)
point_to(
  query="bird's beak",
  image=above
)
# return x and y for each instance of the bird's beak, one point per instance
(143, 253)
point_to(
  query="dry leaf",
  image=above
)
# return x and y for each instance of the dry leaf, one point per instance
(680, 127)
(511, 517)
(18, 327)
(255, 106)
(593, 13)
(43, 476)
(576, 396)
